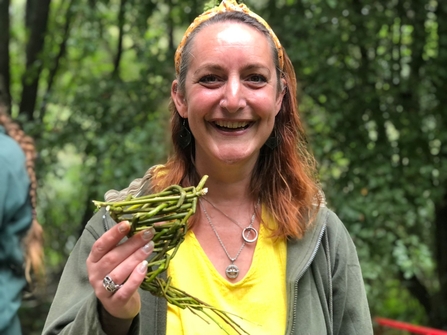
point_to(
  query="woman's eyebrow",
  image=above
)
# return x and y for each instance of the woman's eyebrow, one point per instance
(209, 67)
(217, 67)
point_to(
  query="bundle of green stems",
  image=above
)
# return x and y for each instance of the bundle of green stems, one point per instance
(167, 212)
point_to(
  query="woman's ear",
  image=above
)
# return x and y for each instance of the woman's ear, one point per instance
(281, 94)
(179, 100)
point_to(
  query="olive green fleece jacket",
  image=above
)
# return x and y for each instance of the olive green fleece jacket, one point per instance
(325, 287)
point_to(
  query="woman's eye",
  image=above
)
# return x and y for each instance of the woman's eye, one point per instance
(209, 79)
(257, 78)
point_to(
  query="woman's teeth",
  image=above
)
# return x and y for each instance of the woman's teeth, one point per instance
(231, 124)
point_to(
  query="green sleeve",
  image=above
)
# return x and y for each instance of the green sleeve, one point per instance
(351, 315)
(75, 308)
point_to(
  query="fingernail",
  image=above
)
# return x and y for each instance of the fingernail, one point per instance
(124, 227)
(147, 248)
(148, 234)
(142, 267)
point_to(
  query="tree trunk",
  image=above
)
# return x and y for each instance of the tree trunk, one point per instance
(440, 310)
(119, 52)
(36, 21)
(88, 210)
(5, 96)
(54, 67)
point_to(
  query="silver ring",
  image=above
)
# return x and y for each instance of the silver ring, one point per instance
(246, 232)
(110, 285)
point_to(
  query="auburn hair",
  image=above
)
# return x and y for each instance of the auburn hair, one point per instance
(284, 178)
(33, 240)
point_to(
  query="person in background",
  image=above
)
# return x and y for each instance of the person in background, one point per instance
(261, 245)
(21, 241)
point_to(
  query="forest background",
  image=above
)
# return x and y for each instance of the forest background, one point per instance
(90, 81)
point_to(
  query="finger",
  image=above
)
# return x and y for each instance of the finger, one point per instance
(129, 253)
(125, 302)
(121, 273)
(125, 250)
(108, 241)
(133, 282)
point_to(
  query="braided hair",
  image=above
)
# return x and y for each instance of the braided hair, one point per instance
(33, 241)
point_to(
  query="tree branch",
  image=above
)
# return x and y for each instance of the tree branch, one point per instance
(61, 54)
(170, 24)
(121, 21)
(37, 21)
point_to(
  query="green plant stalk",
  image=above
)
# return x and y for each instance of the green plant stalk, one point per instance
(167, 212)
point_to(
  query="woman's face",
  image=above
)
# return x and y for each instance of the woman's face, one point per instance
(231, 93)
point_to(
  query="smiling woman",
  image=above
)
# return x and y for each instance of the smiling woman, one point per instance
(231, 96)
(261, 246)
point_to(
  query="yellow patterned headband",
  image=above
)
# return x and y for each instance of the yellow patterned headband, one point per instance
(226, 6)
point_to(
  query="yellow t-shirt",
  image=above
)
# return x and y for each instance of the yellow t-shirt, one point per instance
(259, 298)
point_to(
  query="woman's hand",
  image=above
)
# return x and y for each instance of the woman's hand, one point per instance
(125, 264)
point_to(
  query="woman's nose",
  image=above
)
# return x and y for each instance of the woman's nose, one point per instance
(233, 98)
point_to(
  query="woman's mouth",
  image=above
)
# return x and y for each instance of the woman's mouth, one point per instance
(232, 125)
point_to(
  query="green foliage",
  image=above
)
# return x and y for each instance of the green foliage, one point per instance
(373, 82)
(210, 4)
(103, 122)
(371, 96)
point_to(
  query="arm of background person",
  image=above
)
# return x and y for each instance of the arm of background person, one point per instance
(15, 205)
(15, 220)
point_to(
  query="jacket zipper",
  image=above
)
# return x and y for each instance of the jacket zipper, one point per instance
(317, 246)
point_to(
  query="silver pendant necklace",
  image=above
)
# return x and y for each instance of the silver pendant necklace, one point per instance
(232, 270)
(247, 231)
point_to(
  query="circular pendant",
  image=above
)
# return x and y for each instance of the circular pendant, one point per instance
(232, 271)
(247, 232)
